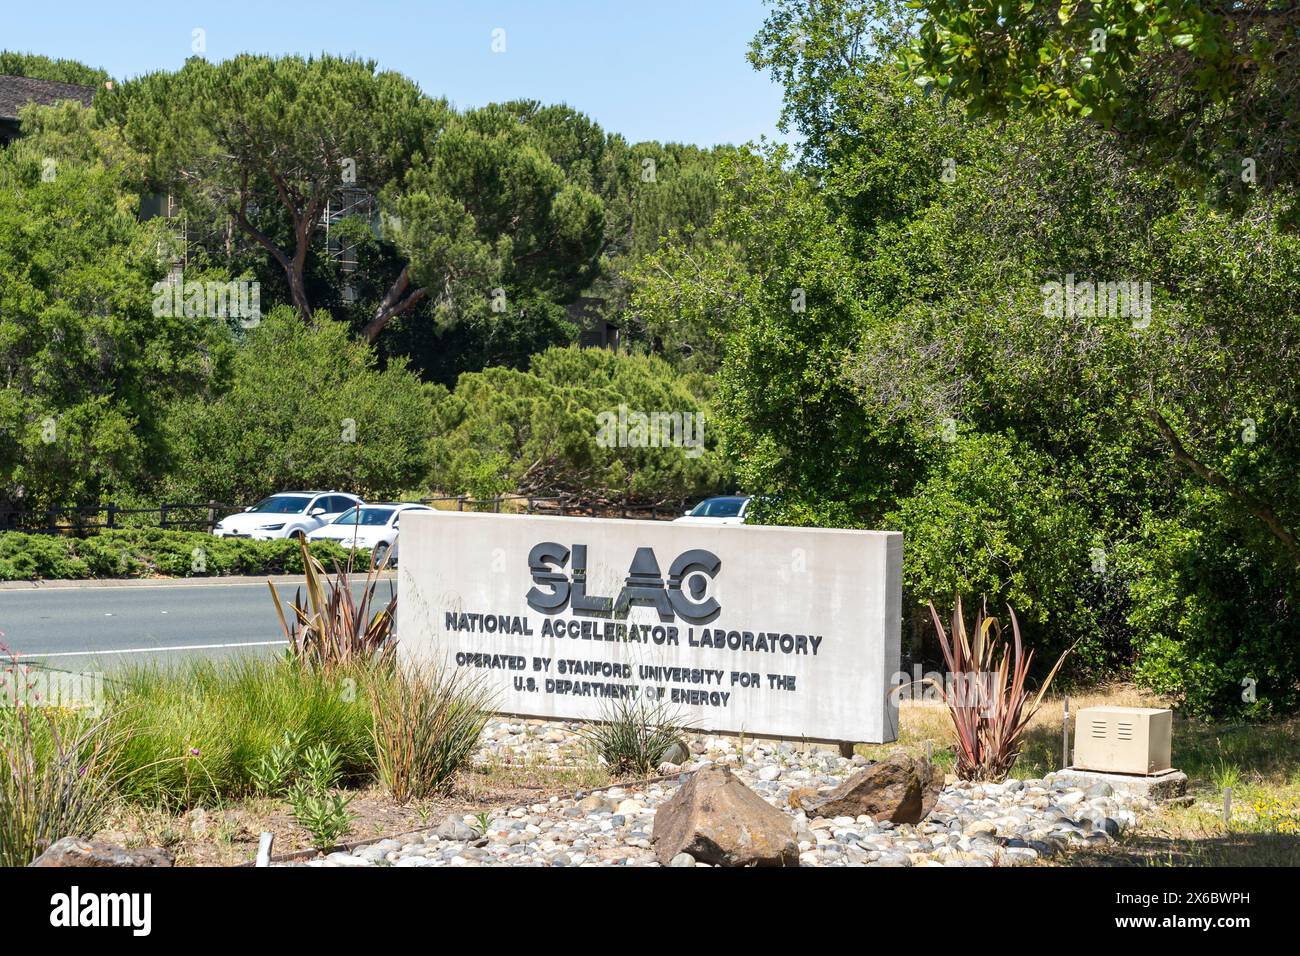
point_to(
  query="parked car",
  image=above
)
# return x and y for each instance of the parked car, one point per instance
(723, 509)
(371, 527)
(290, 514)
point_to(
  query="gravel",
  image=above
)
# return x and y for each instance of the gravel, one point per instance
(1007, 824)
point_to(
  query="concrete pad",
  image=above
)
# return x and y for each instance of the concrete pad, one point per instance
(1158, 787)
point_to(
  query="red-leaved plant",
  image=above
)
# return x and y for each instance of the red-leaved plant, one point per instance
(331, 628)
(987, 698)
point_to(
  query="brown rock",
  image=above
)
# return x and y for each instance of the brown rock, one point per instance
(899, 789)
(801, 797)
(71, 851)
(718, 820)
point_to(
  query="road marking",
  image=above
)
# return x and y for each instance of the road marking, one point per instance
(143, 650)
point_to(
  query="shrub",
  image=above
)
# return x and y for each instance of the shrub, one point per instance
(1214, 619)
(988, 701)
(57, 778)
(306, 407)
(426, 726)
(633, 735)
(993, 520)
(323, 814)
(141, 552)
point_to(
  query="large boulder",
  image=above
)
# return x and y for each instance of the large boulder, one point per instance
(717, 819)
(899, 789)
(71, 851)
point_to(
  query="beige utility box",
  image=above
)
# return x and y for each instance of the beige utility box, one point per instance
(1123, 739)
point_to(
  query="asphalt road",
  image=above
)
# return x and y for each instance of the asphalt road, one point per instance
(104, 625)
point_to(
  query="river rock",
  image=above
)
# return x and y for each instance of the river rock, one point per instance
(454, 829)
(71, 851)
(718, 820)
(899, 789)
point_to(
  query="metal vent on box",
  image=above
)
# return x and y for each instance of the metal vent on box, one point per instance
(1123, 739)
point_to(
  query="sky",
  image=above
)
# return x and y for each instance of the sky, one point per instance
(670, 70)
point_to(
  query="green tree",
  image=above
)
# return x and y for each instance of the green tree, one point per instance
(289, 131)
(555, 429)
(303, 406)
(13, 63)
(1210, 84)
(87, 368)
(488, 216)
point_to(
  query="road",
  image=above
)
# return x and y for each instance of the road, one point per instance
(97, 625)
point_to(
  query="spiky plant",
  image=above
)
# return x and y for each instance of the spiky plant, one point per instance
(633, 735)
(988, 699)
(332, 629)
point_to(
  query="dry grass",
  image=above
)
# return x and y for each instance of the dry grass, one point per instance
(920, 721)
(1259, 762)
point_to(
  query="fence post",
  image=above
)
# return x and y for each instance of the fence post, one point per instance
(460, 502)
(162, 516)
(212, 514)
(112, 516)
(496, 504)
(530, 505)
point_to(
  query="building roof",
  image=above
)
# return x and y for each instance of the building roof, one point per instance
(17, 91)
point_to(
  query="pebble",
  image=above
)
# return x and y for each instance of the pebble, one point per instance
(988, 824)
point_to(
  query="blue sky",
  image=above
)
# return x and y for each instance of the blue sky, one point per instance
(672, 70)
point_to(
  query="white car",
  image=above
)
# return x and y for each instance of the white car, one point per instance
(724, 509)
(290, 514)
(371, 527)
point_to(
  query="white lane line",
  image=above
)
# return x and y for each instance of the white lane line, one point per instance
(142, 650)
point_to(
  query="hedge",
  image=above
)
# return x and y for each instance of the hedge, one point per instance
(150, 552)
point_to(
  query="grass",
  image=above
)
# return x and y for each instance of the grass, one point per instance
(427, 725)
(193, 735)
(633, 735)
(57, 777)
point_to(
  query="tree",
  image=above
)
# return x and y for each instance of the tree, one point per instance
(13, 63)
(87, 368)
(1211, 84)
(556, 429)
(302, 406)
(489, 214)
(1024, 350)
(298, 130)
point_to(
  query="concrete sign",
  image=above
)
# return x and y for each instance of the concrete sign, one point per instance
(778, 632)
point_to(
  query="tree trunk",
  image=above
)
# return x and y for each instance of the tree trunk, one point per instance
(395, 302)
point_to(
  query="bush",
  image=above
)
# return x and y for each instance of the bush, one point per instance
(426, 727)
(988, 698)
(1214, 620)
(539, 431)
(322, 814)
(144, 552)
(332, 629)
(306, 407)
(992, 520)
(205, 731)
